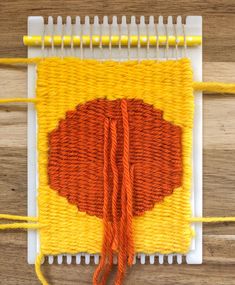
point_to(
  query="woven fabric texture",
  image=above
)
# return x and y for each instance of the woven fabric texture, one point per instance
(114, 146)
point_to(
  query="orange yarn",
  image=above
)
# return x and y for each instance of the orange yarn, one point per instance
(127, 183)
(126, 247)
(106, 254)
(113, 152)
(103, 150)
(113, 240)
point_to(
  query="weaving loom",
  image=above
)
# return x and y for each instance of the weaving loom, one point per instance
(115, 142)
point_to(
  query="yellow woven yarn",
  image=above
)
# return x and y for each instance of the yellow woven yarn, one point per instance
(65, 83)
(62, 85)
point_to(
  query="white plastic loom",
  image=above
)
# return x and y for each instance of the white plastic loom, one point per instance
(155, 29)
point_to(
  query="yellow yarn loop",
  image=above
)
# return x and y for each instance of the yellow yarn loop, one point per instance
(19, 225)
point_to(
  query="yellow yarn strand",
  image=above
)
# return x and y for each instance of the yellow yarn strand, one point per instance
(19, 226)
(16, 60)
(214, 87)
(212, 219)
(18, 100)
(38, 263)
(18, 218)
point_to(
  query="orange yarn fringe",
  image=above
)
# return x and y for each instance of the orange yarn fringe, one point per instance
(118, 236)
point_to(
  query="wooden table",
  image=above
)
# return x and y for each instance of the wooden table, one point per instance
(219, 141)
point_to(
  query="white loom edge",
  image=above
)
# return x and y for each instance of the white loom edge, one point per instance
(195, 256)
(35, 27)
(193, 27)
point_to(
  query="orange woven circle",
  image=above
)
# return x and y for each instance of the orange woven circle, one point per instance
(76, 155)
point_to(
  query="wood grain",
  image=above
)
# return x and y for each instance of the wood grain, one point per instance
(219, 146)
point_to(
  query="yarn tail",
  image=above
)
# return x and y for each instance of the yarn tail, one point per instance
(105, 265)
(18, 100)
(23, 225)
(215, 87)
(38, 263)
(118, 236)
(212, 219)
